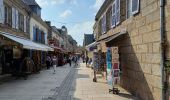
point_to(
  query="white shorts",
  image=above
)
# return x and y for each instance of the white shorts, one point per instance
(54, 66)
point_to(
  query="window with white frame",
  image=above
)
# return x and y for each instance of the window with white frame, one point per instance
(113, 18)
(2, 15)
(8, 15)
(104, 24)
(15, 18)
(117, 12)
(132, 7)
(135, 6)
(21, 21)
(128, 8)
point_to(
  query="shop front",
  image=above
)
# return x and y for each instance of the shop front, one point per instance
(15, 54)
(113, 61)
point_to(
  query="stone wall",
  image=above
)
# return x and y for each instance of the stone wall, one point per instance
(167, 24)
(140, 51)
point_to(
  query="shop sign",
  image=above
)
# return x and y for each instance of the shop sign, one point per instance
(109, 66)
(115, 63)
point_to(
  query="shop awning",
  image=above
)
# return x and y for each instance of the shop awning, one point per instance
(115, 37)
(26, 43)
(92, 46)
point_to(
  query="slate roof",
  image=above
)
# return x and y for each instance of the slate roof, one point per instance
(31, 2)
(88, 39)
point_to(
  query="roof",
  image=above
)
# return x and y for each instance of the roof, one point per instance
(88, 39)
(31, 2)
(55, 29)
(103, 8)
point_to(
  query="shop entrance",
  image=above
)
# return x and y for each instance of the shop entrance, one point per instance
(7, 61)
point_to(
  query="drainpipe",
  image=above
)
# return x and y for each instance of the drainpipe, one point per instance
(162, 36)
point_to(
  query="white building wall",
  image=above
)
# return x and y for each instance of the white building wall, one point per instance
(34, 23)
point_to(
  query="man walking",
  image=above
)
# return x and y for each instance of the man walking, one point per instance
(69, 60)
(87, 59)
(54, 63)
(48, 61)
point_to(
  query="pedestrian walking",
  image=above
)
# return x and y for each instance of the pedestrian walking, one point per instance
(54, 59)
(87, 59)
(69, 60)
(48, 61)
(75, 61)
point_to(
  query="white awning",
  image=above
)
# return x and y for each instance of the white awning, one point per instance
(27, 44)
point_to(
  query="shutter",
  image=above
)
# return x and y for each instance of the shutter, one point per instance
(34, 33)
(45, 38)
(135, 6)
(25, 23)
(17, 19)
(113, 15)
(39, 36)
(2, 13)
(13, 17)
(117, 12)
(104, 23)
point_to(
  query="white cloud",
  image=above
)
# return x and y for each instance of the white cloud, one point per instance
(98, 4)
(78, 30)
(73, 2)
(65, 14)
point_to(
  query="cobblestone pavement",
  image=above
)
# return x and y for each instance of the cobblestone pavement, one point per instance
(36, 87)
(69, 83)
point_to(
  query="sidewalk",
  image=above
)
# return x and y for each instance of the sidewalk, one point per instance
(83, 87)
(36, 87)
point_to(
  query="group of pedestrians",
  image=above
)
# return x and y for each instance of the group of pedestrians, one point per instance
(53, 61)
(73, 59)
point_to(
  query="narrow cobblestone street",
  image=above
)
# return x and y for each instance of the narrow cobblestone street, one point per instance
(68, 83)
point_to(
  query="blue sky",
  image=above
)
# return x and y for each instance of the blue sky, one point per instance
(76, 15)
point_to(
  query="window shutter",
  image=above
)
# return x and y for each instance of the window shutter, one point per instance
(135, 6)
(113, 15)
(104, 24)
(25, 23)
(44, 41)
(2, 13)
(34, 33)
(17, 19)
(13, 17)
(39, 36)
(117, 12)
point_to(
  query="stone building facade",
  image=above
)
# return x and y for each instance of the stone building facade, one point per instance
(14, 21)
(140, 48)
